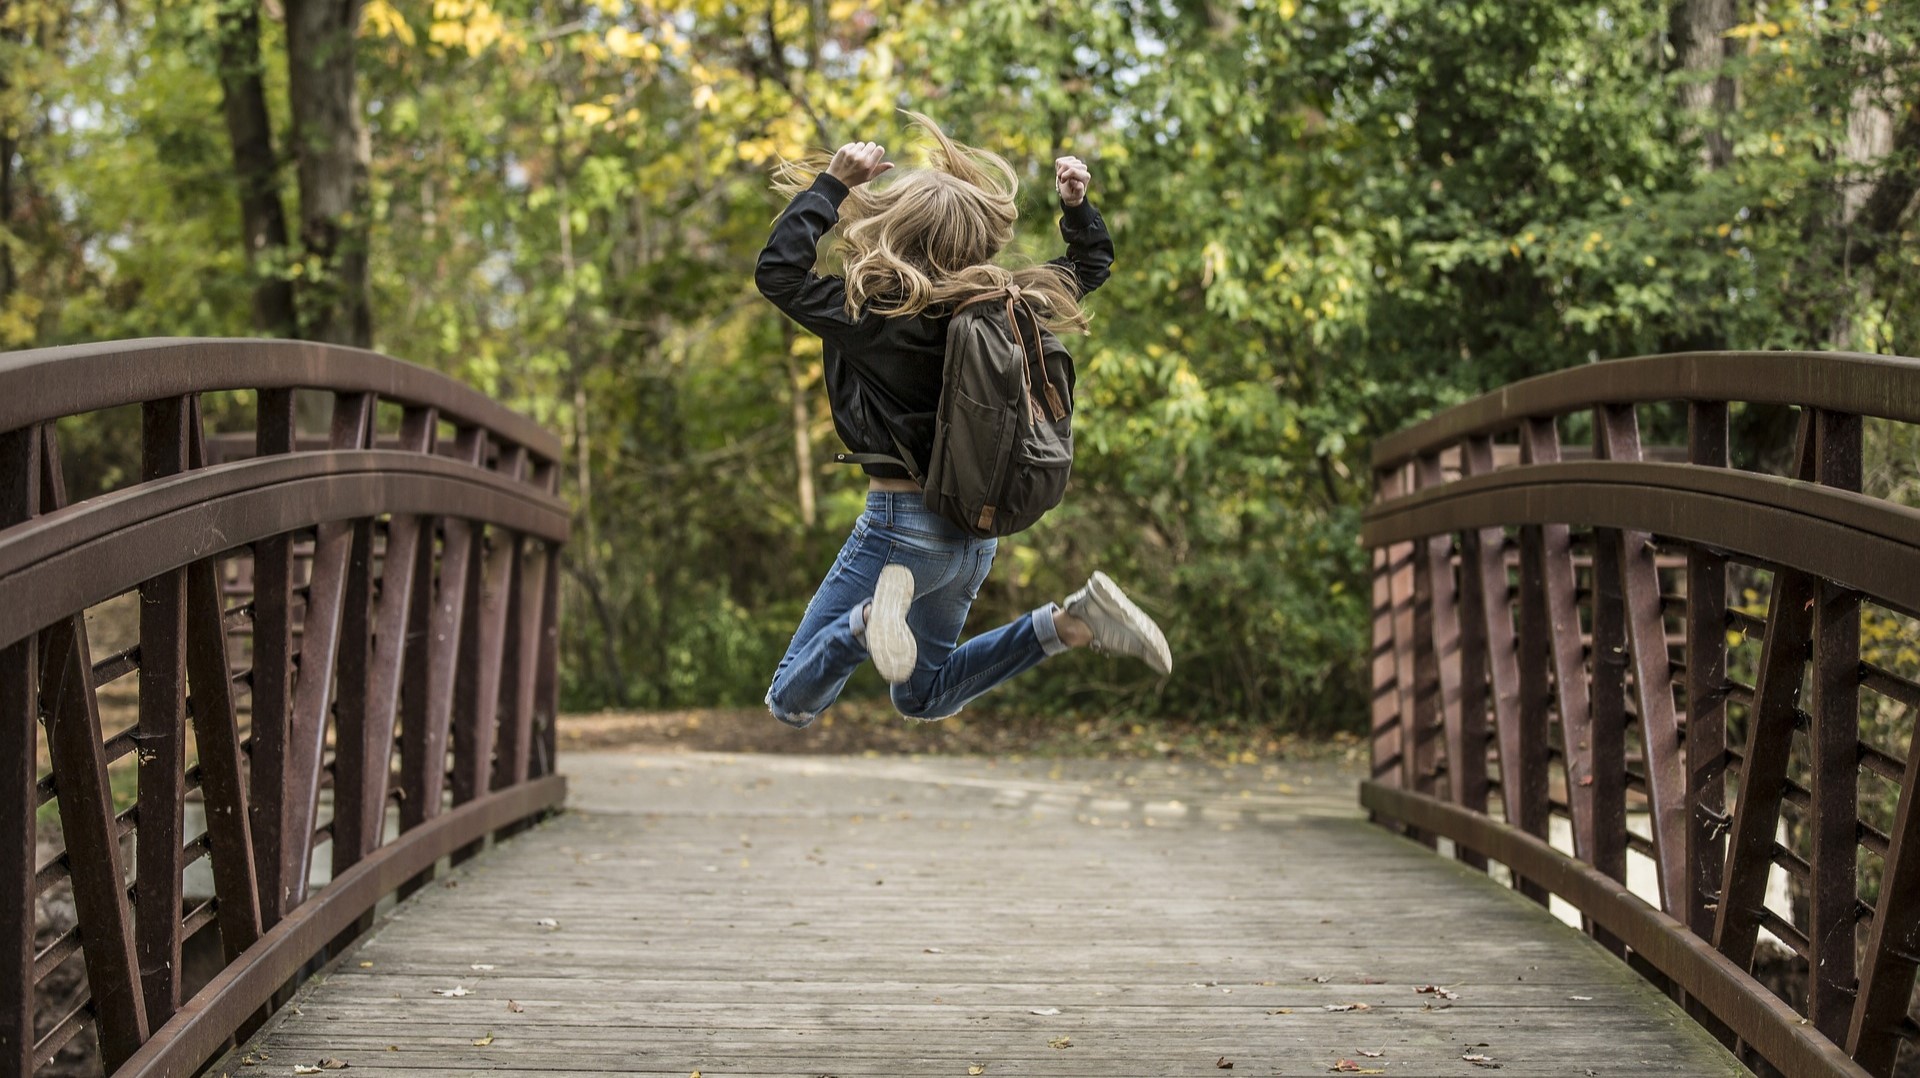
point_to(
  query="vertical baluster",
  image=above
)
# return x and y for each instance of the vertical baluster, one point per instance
(480, 711)
(399, 634)
(216, 733)
(1652, 680)
(1540, 444)
(79, 762)
(1443, 639)
(353, 755)
(19, 691)
(444, 625)
(1706, 688)
(319, 646)
(1493, 597)
(162, 752)
(1401, 587)
(1432, 587)
(1834, 738)
(1526, 782)
(1389, 732)
(1763, 773)
(546, 692)
(272, 680)
(1603, 758)
(529, 602)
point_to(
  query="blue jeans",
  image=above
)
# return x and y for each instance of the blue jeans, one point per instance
(948, 568)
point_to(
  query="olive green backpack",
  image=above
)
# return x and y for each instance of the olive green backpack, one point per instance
(1003, 436)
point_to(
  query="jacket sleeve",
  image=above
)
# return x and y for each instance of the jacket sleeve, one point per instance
(784, 273)
(1089, 254)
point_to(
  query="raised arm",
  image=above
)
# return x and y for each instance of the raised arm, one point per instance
(1089, 254)
(784, 272)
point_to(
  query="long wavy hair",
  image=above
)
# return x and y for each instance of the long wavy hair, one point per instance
(920, 238)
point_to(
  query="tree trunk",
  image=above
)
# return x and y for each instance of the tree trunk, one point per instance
(1701, 48)
(263, 220)
(802, 421)
(330, 144)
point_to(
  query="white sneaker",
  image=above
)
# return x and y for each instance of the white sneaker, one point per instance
(889, 640)
(1119, 627)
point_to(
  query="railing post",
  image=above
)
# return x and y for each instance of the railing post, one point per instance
(271, 681)
(19, 706)
(1706, 742)
(162, 732)
(1834, 739)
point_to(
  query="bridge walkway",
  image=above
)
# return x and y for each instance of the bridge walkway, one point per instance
(810, 916)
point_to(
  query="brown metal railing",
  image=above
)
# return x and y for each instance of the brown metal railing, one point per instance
(1554, 635)
(396, 706)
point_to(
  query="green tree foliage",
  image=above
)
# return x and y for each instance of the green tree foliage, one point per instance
(1331, 215)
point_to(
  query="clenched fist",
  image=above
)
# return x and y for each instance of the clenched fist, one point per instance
(1070, 178)
(857, 162)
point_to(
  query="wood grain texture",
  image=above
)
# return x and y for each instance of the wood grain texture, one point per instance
(825, 915)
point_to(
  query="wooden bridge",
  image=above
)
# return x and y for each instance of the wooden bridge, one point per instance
(292, 809)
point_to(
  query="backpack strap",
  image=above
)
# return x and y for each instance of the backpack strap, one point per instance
(1011, 294)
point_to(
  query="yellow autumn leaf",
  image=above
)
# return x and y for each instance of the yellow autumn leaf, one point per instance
(975, 1068)
(482, 1042)
(592, 114)
(381, 20)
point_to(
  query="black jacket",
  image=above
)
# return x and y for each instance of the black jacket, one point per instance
(883, 374)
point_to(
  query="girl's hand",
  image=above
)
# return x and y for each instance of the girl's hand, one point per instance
(1070, 178)
(857, 162)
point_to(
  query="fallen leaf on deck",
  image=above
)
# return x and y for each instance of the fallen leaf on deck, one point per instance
(1436, 990)
(1281, 1010)
(366, 965)
(328, 1063)
(451, 993)
(546, 922)
(302, 1068)
(1223, 1063)
(975, 1068)
(1581, 999)
(482, 1042)
(932, 950)
(1348, 1007)
(1479, 1060)
(481, 966)
(1321, 979)
(514, 1006)
(1348, 1066)
(1060, 1042)
(1045, 1012)
(1373, 1055)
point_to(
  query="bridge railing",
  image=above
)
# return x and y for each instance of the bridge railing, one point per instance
(1558, 662)
(344, 653)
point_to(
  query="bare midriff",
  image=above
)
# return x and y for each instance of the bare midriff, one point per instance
(892, 486)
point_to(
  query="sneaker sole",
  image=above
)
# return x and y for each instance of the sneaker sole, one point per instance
(889, 640)
(1107, 593)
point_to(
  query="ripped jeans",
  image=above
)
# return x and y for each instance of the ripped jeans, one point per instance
(948, 568)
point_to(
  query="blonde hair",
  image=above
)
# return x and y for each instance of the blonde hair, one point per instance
(919, 238)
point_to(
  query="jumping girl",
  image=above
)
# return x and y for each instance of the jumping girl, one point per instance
(914, 248)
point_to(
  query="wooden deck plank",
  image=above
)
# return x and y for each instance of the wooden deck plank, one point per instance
(742, 915)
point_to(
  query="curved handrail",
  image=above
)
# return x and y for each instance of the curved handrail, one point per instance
(398, 600)
(90, 552)
(50, 383)
(1523, 639)
(1863, 543)
(1854, 383)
